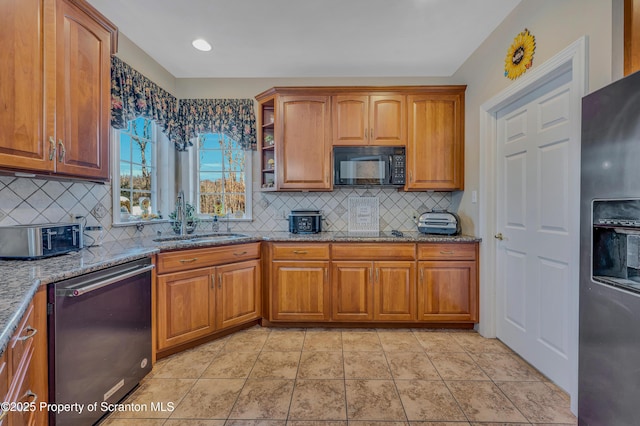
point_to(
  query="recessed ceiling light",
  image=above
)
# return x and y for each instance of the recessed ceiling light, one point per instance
(201, 44)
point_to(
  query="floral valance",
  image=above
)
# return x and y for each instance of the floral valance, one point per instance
(134, 95)
(233, 117)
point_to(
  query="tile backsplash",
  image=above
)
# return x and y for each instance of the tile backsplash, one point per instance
(25, 201)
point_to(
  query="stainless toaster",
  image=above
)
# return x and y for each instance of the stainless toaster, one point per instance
(40, 240)
(439, 222)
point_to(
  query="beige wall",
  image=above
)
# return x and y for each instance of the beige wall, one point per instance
(555, 25)
(194, 88)
(145, 64)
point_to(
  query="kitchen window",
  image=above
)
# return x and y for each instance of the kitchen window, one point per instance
(142, 165)
(223, 177)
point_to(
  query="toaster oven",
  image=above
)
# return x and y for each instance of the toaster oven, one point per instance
(40, 240)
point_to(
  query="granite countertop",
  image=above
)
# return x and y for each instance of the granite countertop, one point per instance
(21, 279)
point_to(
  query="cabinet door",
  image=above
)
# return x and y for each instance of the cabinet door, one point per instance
(395, 291)
(448, 291)
(350, 120)
(238, 293)
(435, 149)
(24, 136)
(388, 121)
(352, 291)
(303, 142)
(186, 308)
(83, 68)
(300, 291)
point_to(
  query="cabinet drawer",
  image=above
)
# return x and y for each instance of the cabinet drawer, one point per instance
(455, 251)
(200, 258)
(373, 251)
(300, 251)
(21, 342)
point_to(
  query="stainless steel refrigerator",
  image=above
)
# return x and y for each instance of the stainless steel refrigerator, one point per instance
(609, 350)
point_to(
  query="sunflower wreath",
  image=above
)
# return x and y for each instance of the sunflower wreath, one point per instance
(520, 55)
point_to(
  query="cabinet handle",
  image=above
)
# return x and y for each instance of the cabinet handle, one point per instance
(213, 280)
(3, 414)
(32, 332)
(371, 274)
(410, 176)
(28, 395)
(63, 151)
(421, 275)
(188, 260)
(241, 253)
(220, 281)
(52, 148)
(366, 133)
(371, 134)
(447, 252)
(299, 252)
(377, 275)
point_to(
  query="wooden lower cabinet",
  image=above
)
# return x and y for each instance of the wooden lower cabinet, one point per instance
(238, 295)
(300, 291)
(447, 291)
(379, 291)
(23, 367)
(192, 304)
(186, 307)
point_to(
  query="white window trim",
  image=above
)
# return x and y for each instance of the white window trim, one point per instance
(163, 184)
(190, 181)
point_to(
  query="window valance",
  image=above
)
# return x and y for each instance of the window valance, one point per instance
(233, 117)
(134, 95)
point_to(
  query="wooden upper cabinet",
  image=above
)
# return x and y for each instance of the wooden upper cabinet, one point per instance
(435, 149)
(55, 61)
(369, 120)
(303, 142)
(83, 88)
(24, 129)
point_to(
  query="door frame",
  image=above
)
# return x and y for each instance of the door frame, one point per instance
(574, 59)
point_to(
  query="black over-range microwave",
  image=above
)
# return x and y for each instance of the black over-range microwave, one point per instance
(369, 165)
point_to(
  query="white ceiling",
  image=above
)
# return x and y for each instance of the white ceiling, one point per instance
(308, 38)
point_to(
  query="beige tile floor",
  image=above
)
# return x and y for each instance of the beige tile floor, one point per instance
(305, 377)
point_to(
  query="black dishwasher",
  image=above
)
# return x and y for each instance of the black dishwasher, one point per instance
(99, 340)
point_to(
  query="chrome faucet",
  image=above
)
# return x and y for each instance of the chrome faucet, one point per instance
(181, 212)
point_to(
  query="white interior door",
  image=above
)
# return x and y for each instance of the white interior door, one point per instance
(534, 265)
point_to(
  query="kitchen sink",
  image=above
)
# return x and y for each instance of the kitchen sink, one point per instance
(200, 238)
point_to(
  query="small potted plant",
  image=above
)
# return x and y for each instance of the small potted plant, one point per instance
(191, 218)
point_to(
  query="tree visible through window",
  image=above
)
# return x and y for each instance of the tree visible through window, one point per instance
(221, 176)
(137, 173)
